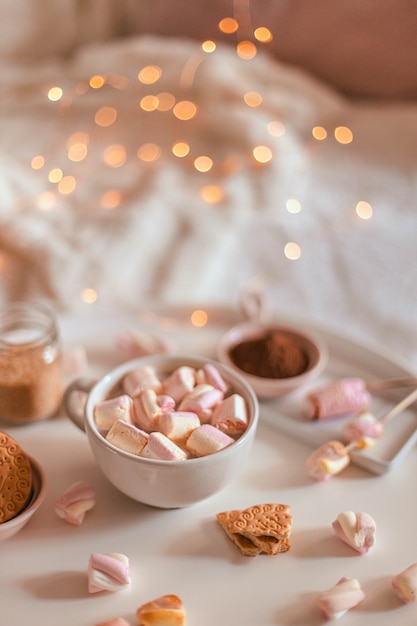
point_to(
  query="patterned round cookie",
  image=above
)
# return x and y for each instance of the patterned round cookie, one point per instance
(15, 478)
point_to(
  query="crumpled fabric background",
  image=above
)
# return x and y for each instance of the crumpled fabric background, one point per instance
(165, 241)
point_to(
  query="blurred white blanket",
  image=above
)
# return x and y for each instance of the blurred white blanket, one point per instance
(164, 238)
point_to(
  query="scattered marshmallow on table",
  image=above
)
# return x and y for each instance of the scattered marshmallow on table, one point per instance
(337, 600)
(356, 529)
(405, 584)
(116, 621)
(74, 502)
(108, 572)
(166, 610)
(161, 448)
(231, 415)
(207, 439)
(108, 411)
(127, 437)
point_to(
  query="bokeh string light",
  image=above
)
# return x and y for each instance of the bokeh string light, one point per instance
(76, 154)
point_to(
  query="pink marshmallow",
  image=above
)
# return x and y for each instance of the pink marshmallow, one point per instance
(141, 378)
(231, 415)
(206, 439)
(327, 460)
(127, 437)
(178, 425)
(210, 375)
(363, 429)
(107, 572)
(201, 400)
(108, 411)
(180, 382)
(74, 503)
(162, 448)
(337, 600)
(341, 397)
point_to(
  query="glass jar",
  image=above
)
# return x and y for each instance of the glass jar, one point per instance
(31, 383)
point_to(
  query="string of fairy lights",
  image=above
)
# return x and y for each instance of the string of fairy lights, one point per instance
(68, 167)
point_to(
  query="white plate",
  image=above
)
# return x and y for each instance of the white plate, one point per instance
(184, 551)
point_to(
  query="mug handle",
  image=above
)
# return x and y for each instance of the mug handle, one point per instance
(74, 399)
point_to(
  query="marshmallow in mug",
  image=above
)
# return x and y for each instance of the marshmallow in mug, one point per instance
(165, 419)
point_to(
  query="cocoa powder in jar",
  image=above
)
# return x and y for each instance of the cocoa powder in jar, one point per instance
(30, 371)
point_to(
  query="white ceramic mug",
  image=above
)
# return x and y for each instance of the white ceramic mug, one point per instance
(164, 484)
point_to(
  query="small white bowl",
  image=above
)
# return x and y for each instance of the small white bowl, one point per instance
(313, 346)
(14, 525)
(165, 484)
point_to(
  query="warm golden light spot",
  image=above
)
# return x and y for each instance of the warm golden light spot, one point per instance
(150, 74)
(45, 200)
(364, 210)
(293, 205)
(292, 251)
(253, 98)
(165, 101)
(77, 152)
(263, 34)
(149, 103)
(67, 185)
(203, 164)
(181, 149)
(37, 162)
(55, 94)
(89, 296)
(343, 134)
(199, 318)
(149, 152)
(111, 199)
(79, 137)
(55, 175)
(228, 25)
(185, 110)
(97, 81)
(208, 46)
(2, 262)
(246, 50)
(213, 194)
(319, 133)
(115, 155)
(262, 154)
(106, 116)
(276, 128)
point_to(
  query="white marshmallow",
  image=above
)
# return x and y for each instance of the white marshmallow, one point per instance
(231, 415)
(206, 439)
(108, 411)
(127, 437)
(180, 382)
(178, 425)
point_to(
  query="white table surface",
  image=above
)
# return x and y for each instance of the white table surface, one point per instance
(43, 576)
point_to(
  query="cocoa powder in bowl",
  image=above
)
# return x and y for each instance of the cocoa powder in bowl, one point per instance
(272, 355)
